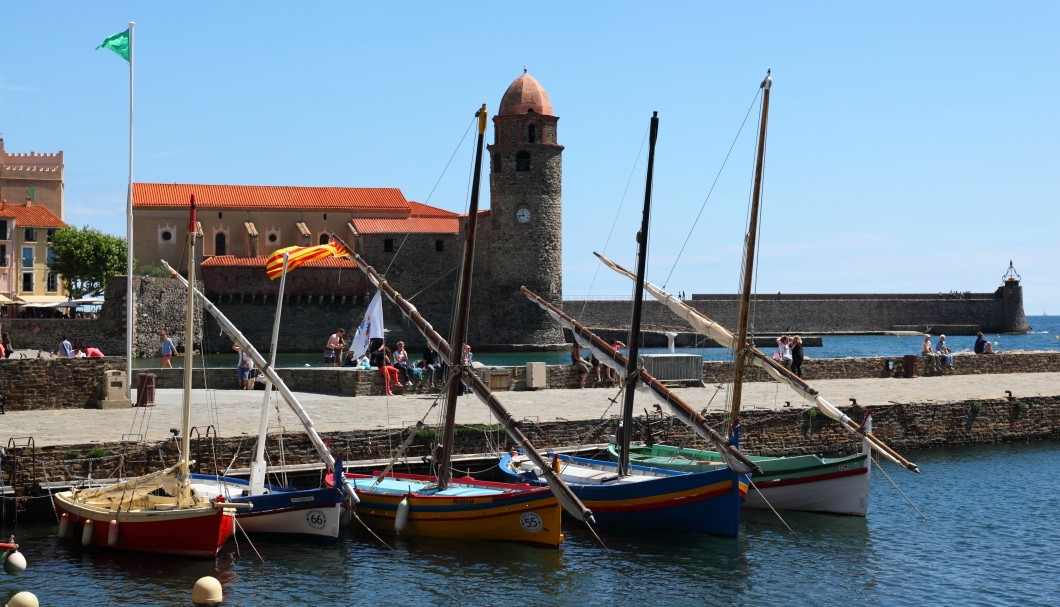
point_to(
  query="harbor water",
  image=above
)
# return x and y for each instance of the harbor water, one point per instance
(1044, 336)
(988, 538)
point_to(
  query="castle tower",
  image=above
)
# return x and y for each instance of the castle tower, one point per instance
(33, 177)
(525, 244)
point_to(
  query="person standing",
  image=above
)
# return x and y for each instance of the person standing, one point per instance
(166, 349)
(389, 371)
(614, 376)
(468, 360)
(244, 367)
(796, 355)
(336, 344)
(9, 349)
(579, 364)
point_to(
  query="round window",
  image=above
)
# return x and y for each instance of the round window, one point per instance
(167, 236)
(273, 237)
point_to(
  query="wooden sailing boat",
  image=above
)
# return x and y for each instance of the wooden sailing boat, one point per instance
(635, 496)
(310, 514)
(440, 506)
(158, 512)
(812, 483)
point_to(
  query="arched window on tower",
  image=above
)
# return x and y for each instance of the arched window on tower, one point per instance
(531, 133)
(324, 238)
(220, 244)
(522, 161)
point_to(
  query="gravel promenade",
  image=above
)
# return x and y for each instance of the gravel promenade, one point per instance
(235, 413)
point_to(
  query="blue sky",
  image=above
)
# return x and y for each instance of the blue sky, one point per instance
(912, 146)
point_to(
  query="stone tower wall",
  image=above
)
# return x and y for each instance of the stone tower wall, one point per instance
(523, 254)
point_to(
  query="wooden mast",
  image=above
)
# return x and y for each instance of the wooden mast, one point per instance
(638, 304)
(184, 477)
(460, 315)
(748, 266)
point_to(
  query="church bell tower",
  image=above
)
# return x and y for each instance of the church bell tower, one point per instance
(525, 219)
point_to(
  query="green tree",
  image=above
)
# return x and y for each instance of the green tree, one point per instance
(87, 259)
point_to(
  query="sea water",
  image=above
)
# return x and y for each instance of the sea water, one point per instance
(1045, 335)
(984, 531)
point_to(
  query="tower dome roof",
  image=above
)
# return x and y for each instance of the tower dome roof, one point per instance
(523, 95)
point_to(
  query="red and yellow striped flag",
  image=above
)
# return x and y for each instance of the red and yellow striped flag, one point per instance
(296, 256)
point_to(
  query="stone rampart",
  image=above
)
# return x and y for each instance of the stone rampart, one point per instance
(963, 314)
(32, 384)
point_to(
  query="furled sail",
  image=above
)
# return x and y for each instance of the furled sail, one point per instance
(706, 326)
(608, 356)
(566, 497)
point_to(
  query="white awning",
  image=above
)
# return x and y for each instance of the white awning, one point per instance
(41, 301)
(5, 300)
(77, 303)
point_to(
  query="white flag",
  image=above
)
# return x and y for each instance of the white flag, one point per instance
(371, 327)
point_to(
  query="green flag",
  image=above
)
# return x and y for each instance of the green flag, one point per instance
(119, 43)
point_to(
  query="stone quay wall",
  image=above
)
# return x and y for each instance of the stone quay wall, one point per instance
(905, 427)
(71, 383)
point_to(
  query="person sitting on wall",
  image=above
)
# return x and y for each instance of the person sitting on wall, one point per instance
(982, 346)
(783, 353)
(944, 351)
(929, 352)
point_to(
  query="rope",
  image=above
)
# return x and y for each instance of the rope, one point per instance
(703, 206)
(618, 212)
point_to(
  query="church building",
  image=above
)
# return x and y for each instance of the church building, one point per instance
(415, 246)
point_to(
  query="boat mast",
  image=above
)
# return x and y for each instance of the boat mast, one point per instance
(563, 493)
(189, 346)
(638, 304)
(460, 315)
(748, 266)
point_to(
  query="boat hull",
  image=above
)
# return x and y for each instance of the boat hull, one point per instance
(810, 483)
(305, 514)
(193, 532)
(468, 510)
(705, 502)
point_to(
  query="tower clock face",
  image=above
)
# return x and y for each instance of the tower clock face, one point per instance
(522, 215)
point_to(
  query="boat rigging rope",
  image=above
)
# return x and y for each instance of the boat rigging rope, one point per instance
(249, 541)
(751, 482)
(899, 489)
(618, 212)
(721, 169)
(408, 234)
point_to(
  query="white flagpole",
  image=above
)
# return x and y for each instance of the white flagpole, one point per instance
(129, 303)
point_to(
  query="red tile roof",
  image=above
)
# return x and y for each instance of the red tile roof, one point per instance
(231, 261)
(31, 215)
(423, 220)
(388, 201)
